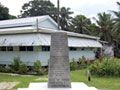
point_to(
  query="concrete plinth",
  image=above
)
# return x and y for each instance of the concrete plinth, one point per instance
(44, 86)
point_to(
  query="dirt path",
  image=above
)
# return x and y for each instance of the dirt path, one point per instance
(7, 85)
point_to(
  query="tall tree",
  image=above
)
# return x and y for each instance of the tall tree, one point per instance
(65, 18)
(93, 29)
(105, 25)
(80, 24)
(37, 8)
(116, 30)
(4, 13)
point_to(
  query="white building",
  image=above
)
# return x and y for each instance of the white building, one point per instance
(29, 38)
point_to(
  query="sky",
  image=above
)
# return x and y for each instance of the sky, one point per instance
(89, 8)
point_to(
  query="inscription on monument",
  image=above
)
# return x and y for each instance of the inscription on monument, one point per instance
(59, 69)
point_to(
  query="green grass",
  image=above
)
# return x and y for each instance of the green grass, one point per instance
(103, 83)
(23, 80)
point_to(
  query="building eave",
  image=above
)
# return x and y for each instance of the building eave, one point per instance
(45, 31)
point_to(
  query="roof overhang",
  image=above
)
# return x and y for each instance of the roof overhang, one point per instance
(42, 30)
(44, 39)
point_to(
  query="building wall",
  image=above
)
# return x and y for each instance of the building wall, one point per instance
(47, 24)
(29, 57)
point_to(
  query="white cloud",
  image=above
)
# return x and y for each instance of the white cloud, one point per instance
(86, 7)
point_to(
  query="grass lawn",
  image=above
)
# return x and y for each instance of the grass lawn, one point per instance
(102, 83)
(106, 83)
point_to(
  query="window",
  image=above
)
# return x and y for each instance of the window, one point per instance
(29, 48)
(2, 48)
(22, 48)
(72, 49)
(82, 49)
(9, 48)
(45, 48)
(26, 48)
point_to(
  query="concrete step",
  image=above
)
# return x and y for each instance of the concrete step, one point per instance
(43, 86)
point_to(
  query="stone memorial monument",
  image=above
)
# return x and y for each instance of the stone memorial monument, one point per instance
(59, 68)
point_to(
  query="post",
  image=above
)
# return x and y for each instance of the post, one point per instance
(58, 18)
(88, 75)
(37, 25)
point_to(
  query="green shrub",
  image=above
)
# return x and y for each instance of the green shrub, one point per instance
(23, 69)
(15, 64)
(5, 69)
(2, 69)
(73, 65)
(18, 66)
(82, 63)
(37, 67)
(108, 67)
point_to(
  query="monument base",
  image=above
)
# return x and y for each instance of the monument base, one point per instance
(44, 86)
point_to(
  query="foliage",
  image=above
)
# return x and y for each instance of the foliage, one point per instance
(108, 67)
(94, 29)
(105, 26)
(23, 69)
(37, 8)
(116, 31)
(3, 69)
(81, 63)
(37, 67)
(80, 24)
(18, 66)
(73, 65)
(65, 18)
(4, 13)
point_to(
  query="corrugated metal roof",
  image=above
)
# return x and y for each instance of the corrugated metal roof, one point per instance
(25, 40)
(29, 29)
(44, 39)
(41, 30)
(82, 42)
(24, 21)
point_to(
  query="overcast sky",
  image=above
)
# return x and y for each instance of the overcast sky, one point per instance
(90, 8)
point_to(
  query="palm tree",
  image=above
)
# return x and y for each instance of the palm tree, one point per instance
(80, 24)
(65, 18)
(94, 29)
(105, 26)
(116, 30)
(116, 20)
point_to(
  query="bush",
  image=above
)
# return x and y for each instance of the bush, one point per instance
(37, 67)
(73, 65)
(2, 69)
(22, 69)
(18, 66)
(108, 67)
(15, 64)
(82, 63)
